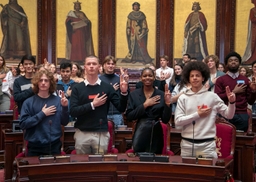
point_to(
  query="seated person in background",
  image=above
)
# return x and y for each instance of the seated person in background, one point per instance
(89, 102)
(241, 86)
(196, 112)
(42, 116)
(147, 105)
(158, 84)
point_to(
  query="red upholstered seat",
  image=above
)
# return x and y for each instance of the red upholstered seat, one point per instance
(225, 138)
(111, 144)
(166, 137)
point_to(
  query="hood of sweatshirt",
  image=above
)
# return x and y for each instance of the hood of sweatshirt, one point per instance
(190, 92)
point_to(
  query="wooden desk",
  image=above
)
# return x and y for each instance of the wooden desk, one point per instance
(131, 170)
(254, 123)
(123, 140)
(5, 123)
(243, 158)
(14, 144)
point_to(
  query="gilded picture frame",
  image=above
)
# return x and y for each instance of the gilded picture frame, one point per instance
(126, 42)
(182, 14)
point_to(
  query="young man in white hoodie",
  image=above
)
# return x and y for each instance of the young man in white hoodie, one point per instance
(196, 112)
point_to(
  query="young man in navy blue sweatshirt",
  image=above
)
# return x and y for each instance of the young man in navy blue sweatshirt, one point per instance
(89, 102)
(42, 116)
(113, 79)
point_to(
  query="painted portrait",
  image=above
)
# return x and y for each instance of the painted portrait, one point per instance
(135, 33)
(77, 30)
(18, 29)
(197, 34)
(245, 34)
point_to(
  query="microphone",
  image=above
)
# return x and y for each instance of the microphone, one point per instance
(193, 138)
(151, 138)
(50, 138)
(99, 138)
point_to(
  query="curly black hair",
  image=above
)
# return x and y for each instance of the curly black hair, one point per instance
(199, 66)
(231, 54)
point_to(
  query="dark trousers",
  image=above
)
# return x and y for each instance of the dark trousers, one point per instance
(240, 121)
(37, 149)
(142, 137)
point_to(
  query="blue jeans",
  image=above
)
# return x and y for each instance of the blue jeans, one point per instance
(254, 108)
(116, 118)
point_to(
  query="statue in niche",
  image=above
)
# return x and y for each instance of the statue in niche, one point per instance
(137, 37)
(194, 34)
(14, 24)
(79, 42)
(250, 50)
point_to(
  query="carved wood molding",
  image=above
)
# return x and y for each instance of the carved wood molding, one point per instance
(39, 29)
(100, 28)
(233, 24)
(217, 39)
(53, 32)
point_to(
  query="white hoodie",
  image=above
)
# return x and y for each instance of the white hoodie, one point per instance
(186, 113)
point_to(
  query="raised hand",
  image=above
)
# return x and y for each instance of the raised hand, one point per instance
(68, 92)
(64, 100)
(99, 100)
(231, 96)
(123, 84)
(253, 84)
(167, 95)
(46, 64)
(162, 75)
(48, 111)
(124, 74)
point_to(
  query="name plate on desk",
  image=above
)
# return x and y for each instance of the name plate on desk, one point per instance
(110, 157)
(62, 159)
(97, 157)
(46, 159)
(189, 160)
(205, 161)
